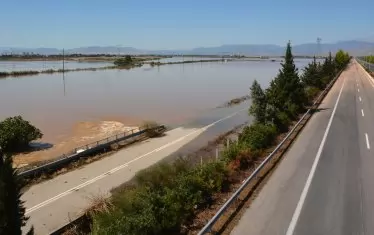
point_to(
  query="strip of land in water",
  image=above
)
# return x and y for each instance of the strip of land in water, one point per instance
(127, 67)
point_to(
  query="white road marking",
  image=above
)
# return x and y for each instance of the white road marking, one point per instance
(362, 112)
(358, 89)
(296, 214)
(367, 76)
(360, 98)
(367, 141)
(67, 192)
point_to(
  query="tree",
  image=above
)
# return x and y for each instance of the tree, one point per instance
(369, 59)
(312, 75)
(16, 134)
(286, 92)
(12, 211)
(128, 59)
(124, 61)
(328, 70)
(341, 59)
(258, 107)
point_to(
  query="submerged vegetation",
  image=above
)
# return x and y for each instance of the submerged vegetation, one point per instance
(126, 62)
(184, 62)
(165, 198)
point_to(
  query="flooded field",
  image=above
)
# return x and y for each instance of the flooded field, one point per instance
(8, 66)
(80, 107)
(185, 58)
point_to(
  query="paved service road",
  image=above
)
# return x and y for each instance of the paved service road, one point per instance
(53, 203)
(325, 183)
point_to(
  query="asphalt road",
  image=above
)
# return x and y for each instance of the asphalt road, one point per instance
(325, 183)
(53, 203)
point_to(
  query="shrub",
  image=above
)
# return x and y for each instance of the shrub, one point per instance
(124, 61)
(326, 80)
(258, 136)
(156, 209)
(16, 134)
(293, 110)
(162, 174)
(282, 122)
(153, 128)
(230, 153)
(311, 93)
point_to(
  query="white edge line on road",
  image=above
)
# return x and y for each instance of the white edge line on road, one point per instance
(296, 214)
(367, 141)
(362, 112)
(367, 76)
(40, 205)
(360, 98)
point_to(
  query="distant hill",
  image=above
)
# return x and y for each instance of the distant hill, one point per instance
(105, 50)
(354, 47)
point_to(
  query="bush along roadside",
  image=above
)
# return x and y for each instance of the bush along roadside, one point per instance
(369, 59)
(165, 198)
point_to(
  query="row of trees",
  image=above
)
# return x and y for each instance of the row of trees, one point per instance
(274, 108)
(369, 59)
(289, 93)
(15, 136)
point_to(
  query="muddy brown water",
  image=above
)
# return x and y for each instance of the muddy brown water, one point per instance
(78, 107)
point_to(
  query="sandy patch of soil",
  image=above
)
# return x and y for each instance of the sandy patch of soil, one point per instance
(82, 133)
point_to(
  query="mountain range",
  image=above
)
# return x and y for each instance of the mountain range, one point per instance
(354, 47)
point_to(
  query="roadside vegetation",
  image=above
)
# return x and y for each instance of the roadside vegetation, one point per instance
(12, 210)
(165, 198)
(369, 59)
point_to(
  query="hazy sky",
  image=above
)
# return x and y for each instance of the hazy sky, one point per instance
(181, 24)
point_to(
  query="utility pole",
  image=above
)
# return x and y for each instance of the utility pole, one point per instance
(63, 70)
(63, 60)
(318, 46)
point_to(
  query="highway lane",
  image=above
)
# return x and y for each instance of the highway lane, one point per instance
(324, 185)
(53, 203)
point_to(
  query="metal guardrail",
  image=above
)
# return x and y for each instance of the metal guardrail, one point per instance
(84, 151)
(207, 228)
(366, 64)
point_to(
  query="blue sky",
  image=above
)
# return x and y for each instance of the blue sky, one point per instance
(176, 24)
